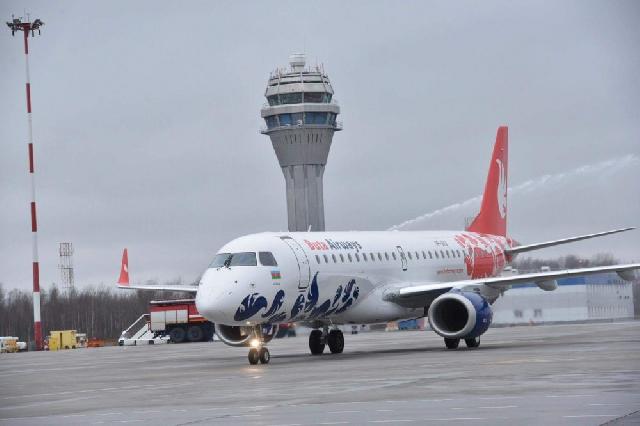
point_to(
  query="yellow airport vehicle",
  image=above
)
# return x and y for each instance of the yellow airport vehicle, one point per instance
(8, 344)
(62, 339)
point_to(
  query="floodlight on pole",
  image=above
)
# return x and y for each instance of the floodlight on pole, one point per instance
(17, 25)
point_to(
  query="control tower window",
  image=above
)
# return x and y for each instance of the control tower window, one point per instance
(271, 121)
(332, 119)
(267, 259)
(315, 118)
(290, 98)
(314, 97)
(296, 118)
(285, 119)
(273, 100)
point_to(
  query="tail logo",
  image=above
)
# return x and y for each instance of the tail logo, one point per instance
(502, 189)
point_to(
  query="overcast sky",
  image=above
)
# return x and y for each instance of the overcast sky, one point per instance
(147, 116)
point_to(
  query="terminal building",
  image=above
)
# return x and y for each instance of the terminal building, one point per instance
(593, 297)
(301, 118)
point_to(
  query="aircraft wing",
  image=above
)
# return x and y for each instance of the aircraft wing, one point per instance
(530, 247)
(185, 288)
(417, 294)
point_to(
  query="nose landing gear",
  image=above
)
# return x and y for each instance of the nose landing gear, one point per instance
(261, 355)
(259, 352)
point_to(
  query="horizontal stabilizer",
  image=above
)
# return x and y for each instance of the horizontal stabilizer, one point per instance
(537, 246)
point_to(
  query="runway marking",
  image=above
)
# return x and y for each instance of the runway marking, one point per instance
(146, 411)
(334, 423)
(567, 396)
(384, 411)
(499, 408)
(393, 421)
(345, 411)
(502, 397)
(454, 419)
(107, 414)
(592, 415)
(606, 403)
(245, 415)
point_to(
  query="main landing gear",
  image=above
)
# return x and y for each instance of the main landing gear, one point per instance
(453, 343)
(318, 339)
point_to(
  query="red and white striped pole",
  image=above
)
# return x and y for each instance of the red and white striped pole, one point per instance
(26, 28)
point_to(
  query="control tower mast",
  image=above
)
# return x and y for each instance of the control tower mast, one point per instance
(300, 120)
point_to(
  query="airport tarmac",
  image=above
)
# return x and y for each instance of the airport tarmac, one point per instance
(578, 374)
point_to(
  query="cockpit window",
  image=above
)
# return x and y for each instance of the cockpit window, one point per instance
(267, 259)
(219, 260)
(234, 259)
(243, 259)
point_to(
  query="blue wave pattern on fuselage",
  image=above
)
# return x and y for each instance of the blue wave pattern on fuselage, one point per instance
(343, 299)
(250, 306)
(276, 305)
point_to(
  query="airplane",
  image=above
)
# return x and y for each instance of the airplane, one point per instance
(326, 279)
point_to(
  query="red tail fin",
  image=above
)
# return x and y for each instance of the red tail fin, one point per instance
(124, 269)
(492, 218)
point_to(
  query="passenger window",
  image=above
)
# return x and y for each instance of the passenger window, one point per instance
(333, 256)
(424, 255)
(372, 256)
(447, 251)
(386, 255)
(436, 253)
(409, 254)
(349, 257)
(364, 256)
(267, 259)
(417, 256)
(442, 254)
(341, 258)
(393, 254)
(379, 257)
(317, 259)
(326, 259)
(430, 255)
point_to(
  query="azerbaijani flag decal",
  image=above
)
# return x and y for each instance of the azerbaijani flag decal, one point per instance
(275, 275)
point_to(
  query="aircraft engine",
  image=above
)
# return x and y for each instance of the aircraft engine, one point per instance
(460, 315)
(234, 335)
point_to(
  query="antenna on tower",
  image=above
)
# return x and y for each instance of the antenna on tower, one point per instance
(66, 266)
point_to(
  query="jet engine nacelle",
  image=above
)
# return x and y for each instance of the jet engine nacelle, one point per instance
(234, 335)
(460, 315)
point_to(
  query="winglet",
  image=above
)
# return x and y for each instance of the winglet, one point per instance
(492, 218)
(124, 270)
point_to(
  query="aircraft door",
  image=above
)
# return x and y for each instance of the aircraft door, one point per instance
(403, 258)
(304, 270)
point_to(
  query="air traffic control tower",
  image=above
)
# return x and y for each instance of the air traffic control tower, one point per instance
(300, 119)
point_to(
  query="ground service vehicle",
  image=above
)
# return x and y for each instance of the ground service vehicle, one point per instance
(62, 339)
(180, 320)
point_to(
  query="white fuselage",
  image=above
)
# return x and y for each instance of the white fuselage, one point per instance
(339, 277)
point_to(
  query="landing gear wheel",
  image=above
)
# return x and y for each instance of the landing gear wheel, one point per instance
(177, 335)
(253, 356)
(472, 343)
(336, 341)
(194, 333)
(316, 343)
(265, 356)
(451, 343)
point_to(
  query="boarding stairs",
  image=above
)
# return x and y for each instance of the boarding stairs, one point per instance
(139, 332)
